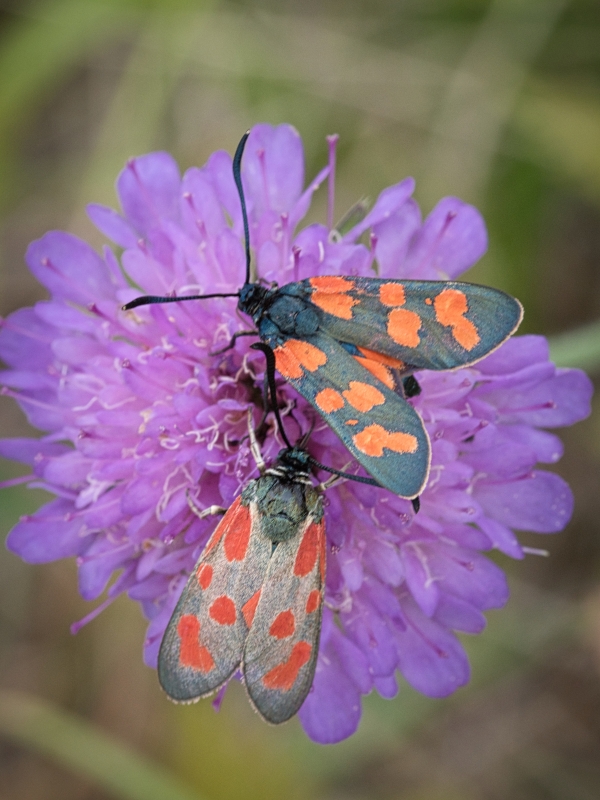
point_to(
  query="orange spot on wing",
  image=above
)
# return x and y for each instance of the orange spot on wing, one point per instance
(191, 652)
(428, 301)
(332, 284)
(338, 305)
(403, 327)
(313, 601)
(373, 355)
(294, 356)
(223, 611)
(308, 551)
(234, 515)
(283, 625)
(284, 675)
(237, 535)
(329, 400)
(351, 422)
(373, 439)
(392, 294)
(204, 575)
(379, 371)
(450, 308)
(249, 608)
(362, 396)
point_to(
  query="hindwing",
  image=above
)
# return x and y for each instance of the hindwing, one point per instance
(379, 427)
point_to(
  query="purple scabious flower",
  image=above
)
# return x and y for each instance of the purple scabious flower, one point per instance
(140, 417)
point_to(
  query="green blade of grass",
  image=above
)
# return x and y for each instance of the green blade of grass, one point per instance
(83, 748)
(578, 348)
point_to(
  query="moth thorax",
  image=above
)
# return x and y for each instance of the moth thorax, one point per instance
(281, 506)
(294, 316)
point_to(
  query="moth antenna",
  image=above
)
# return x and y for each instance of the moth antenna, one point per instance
(270, 373)
(237, 177)
(152, 299)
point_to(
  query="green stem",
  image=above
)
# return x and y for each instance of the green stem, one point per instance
(77, 745)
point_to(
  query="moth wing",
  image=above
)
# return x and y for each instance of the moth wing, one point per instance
(204, 640)
(423, 324)
(378, 426)
(282, 646)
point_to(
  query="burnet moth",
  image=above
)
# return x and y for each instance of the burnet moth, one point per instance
(348, 345)
(254, 599)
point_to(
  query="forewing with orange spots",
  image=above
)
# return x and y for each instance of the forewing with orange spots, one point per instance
(375, 422)
(204, 641)
(282, 646)
(422, 324)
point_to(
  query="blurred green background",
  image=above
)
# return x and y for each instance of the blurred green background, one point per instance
(496, 102)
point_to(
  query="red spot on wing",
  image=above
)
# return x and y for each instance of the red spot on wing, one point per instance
(450, 308)
(249, 608)
(380, 365)
(379, 371)
(362, 396)
(191, 652)
(392, 294)
(313, 601)
(403, 327)
(204, 575)
(331, 284)
(232, 518)
(329, 400)
(283, 625)
(373, 355)
(374, 438)
(330, 294)
(222, 610)
(284, 675)
(294, 356)
(237, 535)
(306, 557)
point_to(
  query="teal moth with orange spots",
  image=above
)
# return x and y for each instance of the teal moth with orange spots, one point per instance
(348, 345)
(254, 600)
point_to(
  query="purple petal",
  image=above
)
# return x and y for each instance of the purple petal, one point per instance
(69, 268)
(393, 237)
(387, 204)
(51, 533)
(273, 168)
(332, 710)
(149, 189)
(452, 239)
(430, 657)
(540, 502)
(112, 225)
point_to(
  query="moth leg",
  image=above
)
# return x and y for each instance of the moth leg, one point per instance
(334, 479)
(254, 447)
(205, 512)
(411, 386)
(232, 342)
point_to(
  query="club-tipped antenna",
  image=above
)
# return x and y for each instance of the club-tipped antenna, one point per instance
(237, 177)
(152, 299)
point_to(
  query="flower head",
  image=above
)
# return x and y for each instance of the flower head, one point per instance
(140, 416)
